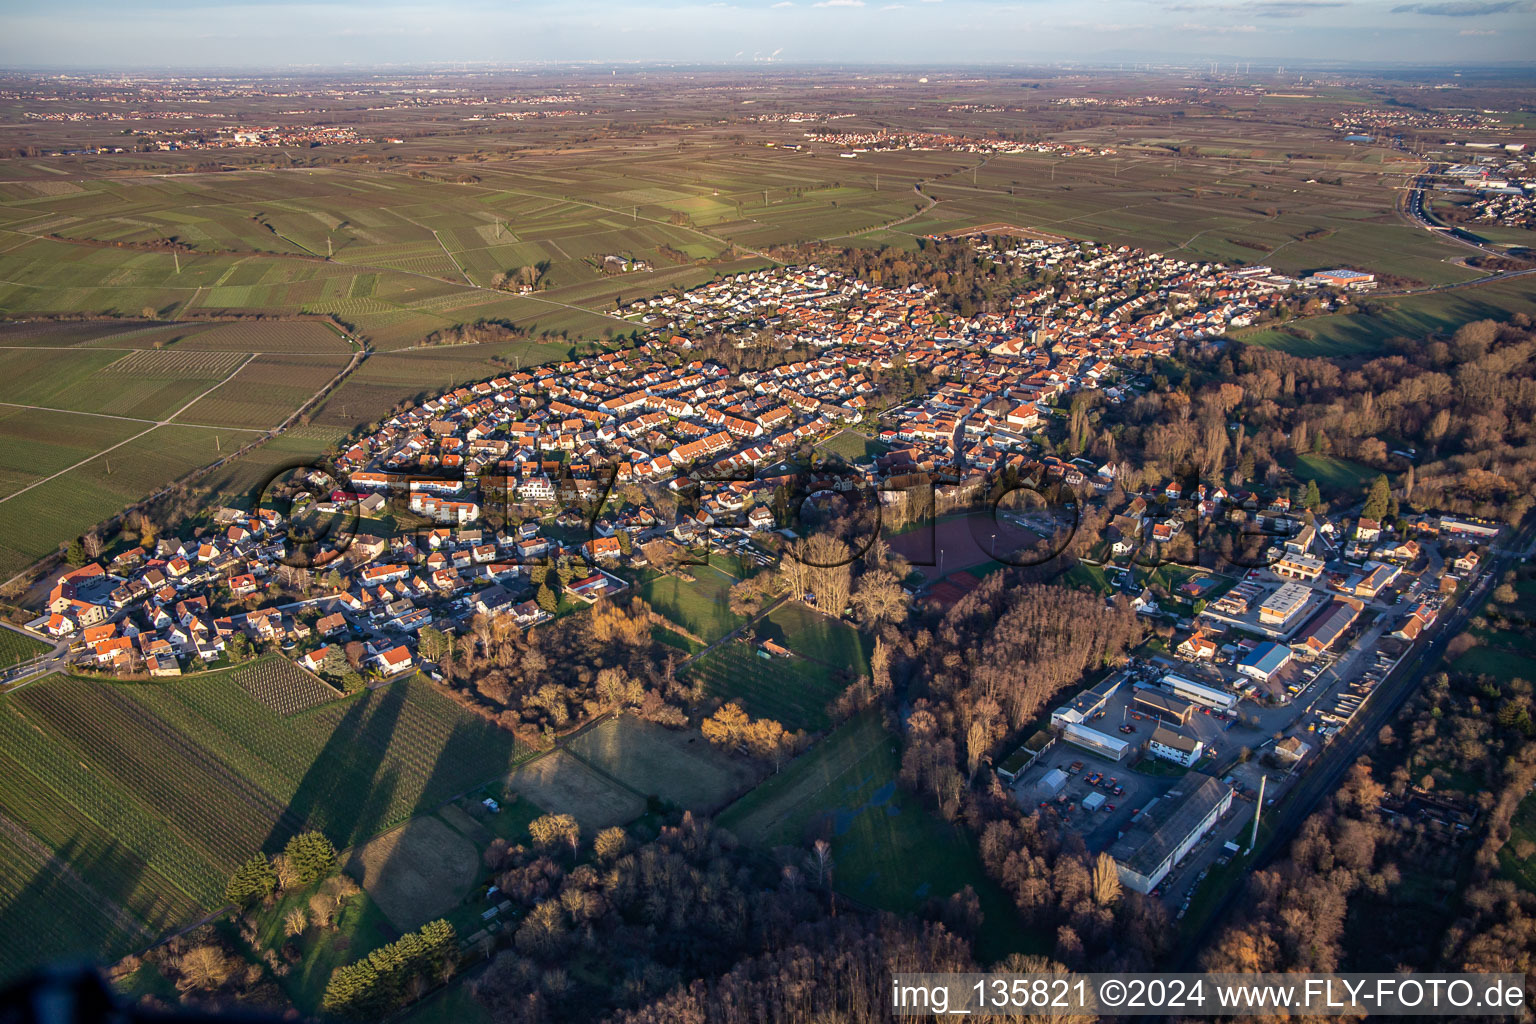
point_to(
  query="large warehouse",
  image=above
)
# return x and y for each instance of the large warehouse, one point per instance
(1199, 693)
(1149, 849)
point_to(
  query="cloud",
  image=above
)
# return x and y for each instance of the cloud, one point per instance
(894, 7)
(784, 3)
(1262, 8)
(1464, 8)
(1217, 29)
(839, 3)
(1477, 32)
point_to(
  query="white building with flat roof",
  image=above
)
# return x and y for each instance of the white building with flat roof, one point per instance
(1287, 602)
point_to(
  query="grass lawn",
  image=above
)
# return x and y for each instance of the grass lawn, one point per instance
(888, 851)
(814, 635)
(852, 445)
(1496, 661)
(361, 926)
(451, 1005)
(699, 606)
(1091, 576)
(1335, 477)
(1522, 830)
(794, 692)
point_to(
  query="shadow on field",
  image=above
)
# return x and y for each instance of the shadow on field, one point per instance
(335, 795)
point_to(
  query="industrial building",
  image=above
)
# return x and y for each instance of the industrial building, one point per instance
(1264, 661)
(1163, 836)
(1325, 628)
(1164, 707)
(1174, 746)
(1087, 704)
(1199, 693)
(1101, 743)
(1281, 607)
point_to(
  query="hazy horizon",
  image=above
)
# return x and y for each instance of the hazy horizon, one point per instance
(346, 34)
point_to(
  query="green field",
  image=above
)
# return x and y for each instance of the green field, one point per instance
(16, 647)
(814, 635)
(1336, 478)
(888, 850)
(677, 765)
(153, 792)
(699, 606)
(1413, 317)
(1522, 829)
(793, 692)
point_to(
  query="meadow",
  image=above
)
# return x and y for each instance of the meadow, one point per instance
(796, 691)
(888, 850)
(154, 792)
(699, 606)
(679, 766)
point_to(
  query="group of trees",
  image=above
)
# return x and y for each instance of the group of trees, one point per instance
(1467, 403)
(394, 974)
(732, 728)
(307, 858)
(566, 671)
(688, 926)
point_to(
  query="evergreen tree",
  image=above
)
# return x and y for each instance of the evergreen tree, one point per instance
(252, 881)
(546, 599)
(1378, 500)
(312, 856)
(1311, 498)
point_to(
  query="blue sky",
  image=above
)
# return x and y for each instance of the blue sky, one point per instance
(335, 33)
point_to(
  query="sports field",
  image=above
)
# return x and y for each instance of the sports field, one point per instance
(154, 792)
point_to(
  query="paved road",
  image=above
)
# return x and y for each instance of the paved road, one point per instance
(1359, 735)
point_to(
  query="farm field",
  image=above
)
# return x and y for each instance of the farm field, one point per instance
(700, 606)
(265, 390)
(16, 647)
(94, 396)
(387, 378)
(34, 522)
(678, 765)
(153, 792)
(416, 872)
(283, 686)
(1412, 316)
(563, 782)
(887, 849)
